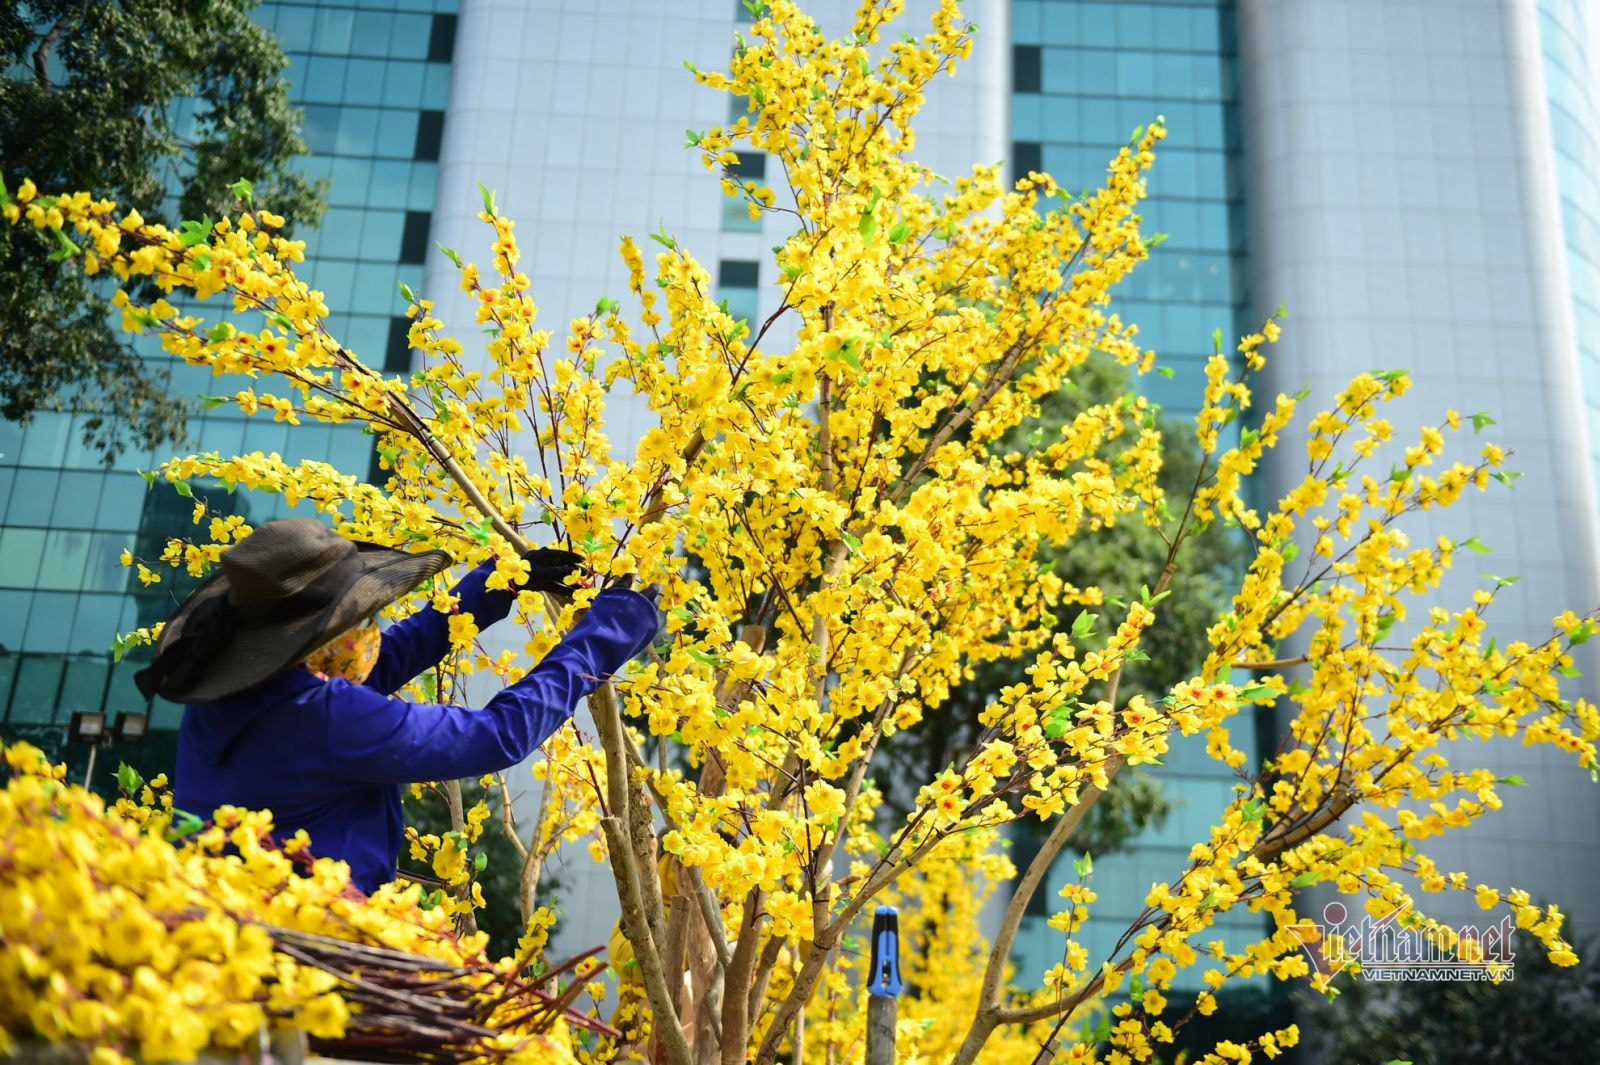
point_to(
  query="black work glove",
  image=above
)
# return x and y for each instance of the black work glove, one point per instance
(651, 592)
(548, 570)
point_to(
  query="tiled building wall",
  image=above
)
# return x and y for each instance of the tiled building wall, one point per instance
(1405, 205)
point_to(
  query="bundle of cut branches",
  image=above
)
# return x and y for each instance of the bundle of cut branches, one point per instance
(405, 1007)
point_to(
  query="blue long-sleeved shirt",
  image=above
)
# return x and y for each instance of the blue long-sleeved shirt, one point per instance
(329, 756)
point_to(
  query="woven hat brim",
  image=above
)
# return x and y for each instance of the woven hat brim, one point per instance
(254, 655)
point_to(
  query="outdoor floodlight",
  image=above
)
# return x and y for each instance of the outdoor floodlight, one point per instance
(130, 727)
(87, 727)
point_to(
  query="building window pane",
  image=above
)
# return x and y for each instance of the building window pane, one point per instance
(430, 134)
(20, 552)
(414, 240)
(34, 691)
(371, 33)
(442, 39)
(13, 622)
(31, 496)
(1025, 68)
(44, 441)
(380, 238)
(397, 134)
(752, 166)
(103, 570)
(363, 82)
(65, 553)
(410, 37)
(295, 27)
(1026, 157)
(738, 283)
(334, 26)
(397, 354)
(84, 685)
(321, 128)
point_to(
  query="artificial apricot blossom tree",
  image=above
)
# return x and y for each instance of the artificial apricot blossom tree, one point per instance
(863, 540)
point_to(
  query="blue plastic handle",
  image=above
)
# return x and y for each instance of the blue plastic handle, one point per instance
(885, 953)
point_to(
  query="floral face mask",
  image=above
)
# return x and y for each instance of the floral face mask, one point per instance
(350, 655)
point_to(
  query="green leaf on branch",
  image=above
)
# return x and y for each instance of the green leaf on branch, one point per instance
(480, 530)
(128, 779)
(488, 198)
(192, 232)
(1253, 811)
(1082, 625)
(663, 238)
(1058, 719)
(480, 862)
(183, 489)
(243, 189)
(868, 226)
(406, 293)
(899, 232)
(1512, 781)
(1472, 543)
(449, 253)
(1083, 865)
(704, 658)
(1257, 691)
(1481, 419)
(65, 248)
(1306, 879)
(184, 824)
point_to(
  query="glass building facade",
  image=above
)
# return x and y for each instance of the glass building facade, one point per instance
(1085, 76)
(373, 78)
(1565, 28)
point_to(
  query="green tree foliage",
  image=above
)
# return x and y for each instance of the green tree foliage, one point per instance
(1545, 1015)
(1121, 562)
(91, 98)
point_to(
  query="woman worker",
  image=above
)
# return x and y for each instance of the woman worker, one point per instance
(289, 685)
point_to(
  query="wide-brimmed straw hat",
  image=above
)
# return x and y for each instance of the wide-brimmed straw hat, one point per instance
(282, 592)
